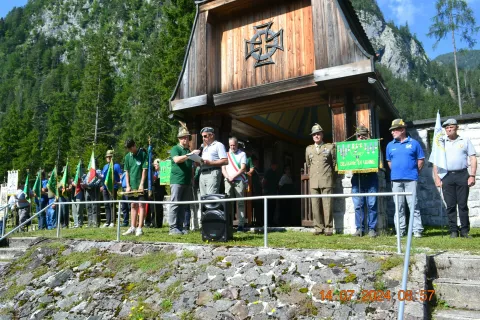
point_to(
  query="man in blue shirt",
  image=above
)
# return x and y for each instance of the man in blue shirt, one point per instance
(41, 200)
(108, 195)
(405, 158)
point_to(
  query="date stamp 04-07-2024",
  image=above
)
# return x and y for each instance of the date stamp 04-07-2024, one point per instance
(367, 296)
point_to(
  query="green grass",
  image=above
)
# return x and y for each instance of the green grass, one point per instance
(431, 242)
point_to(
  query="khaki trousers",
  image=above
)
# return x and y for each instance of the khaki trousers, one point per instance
(323, 220)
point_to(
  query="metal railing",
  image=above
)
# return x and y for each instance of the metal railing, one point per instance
(265, 219)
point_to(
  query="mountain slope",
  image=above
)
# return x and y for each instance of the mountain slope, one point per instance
(466, 59)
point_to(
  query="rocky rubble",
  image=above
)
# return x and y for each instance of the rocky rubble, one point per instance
(115, 280)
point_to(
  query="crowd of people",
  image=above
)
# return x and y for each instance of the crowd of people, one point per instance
(201, 172)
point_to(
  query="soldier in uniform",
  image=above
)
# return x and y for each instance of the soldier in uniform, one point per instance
(320, 158)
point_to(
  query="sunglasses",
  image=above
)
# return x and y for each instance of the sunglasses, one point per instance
(205, 136)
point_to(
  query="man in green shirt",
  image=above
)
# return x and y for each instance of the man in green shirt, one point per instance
(180, 181)
(135, 165)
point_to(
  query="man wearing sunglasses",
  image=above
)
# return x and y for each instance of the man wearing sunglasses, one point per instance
(214, 157)
(320, 158)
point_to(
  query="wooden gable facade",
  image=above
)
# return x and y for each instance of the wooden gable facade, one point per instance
(272, 68)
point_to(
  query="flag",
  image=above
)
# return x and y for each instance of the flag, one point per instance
(78, 178)
(26, 189)
(149, 177)
(37, 187)
(92, 171)
(438, 156)
(52, 184)
(64, 181)
(109, 177)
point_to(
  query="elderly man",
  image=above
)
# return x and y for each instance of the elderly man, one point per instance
(180, 181)
(365, 183)
(405, 158)
(214, 157)
(456, 182)
(235, 179)
(320, 158)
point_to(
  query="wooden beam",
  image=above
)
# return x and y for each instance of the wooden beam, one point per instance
(214, 4)
(264, 90)
(187, 103)
(343, 71)
(339, 117)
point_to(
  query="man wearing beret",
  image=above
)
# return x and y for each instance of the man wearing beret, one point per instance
(405, 158)
(457, 181)
(214, 157)
(365, 183)
(320, 158)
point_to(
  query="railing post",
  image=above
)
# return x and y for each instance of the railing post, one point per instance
(406, 262)
(118, 220)
(399, 247)
(58, 219)
(265, 222)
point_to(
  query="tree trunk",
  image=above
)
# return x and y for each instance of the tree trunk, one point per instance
(456, 68)
(98, 105)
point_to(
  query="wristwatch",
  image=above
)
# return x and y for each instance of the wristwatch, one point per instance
(472, 175)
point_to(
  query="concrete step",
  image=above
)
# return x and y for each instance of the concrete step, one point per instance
(21, 242)
(11, 253)
(456, 314)
(458, 293)
(455, 266)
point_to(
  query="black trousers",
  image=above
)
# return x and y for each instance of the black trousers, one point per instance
(455, 193)
(109, 207)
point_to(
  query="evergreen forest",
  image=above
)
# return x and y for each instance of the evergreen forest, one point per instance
(74, 74)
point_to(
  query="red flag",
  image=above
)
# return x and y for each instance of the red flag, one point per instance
(92, 171)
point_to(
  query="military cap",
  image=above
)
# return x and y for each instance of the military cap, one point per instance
(316, 128)
(207, 129)
(362, 131)
(156, 161)
(109, 153)
(449, 122)
(398, 123)
(182, 132)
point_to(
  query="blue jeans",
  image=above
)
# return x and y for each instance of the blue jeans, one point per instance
(42, 217)
(407, 186)
(365, 183)
(51, 215)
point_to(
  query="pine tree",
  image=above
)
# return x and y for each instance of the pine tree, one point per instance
(454, 16)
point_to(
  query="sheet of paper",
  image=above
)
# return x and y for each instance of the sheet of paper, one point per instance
(194, 157)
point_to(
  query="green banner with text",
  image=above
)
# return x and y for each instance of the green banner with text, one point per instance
(165, 169)
(361, 156)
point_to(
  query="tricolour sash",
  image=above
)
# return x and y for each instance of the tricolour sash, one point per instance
(235, 164)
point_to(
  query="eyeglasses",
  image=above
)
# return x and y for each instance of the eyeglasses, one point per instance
(205, 136)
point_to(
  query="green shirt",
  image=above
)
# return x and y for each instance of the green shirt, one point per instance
(181, 172)
(134, 164)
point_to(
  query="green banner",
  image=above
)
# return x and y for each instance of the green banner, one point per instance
(360, 156)
(165, 169)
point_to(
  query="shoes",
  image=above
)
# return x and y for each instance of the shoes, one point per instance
(372, 233)
(111, 225)
(329, 232)
(465, 235)
(130, 231)
(454, 234)
(184, 231)
(358, 233)
(240, 229)
(105, 225)
(138, 232)
(417, 234)
(175, 232)
(318, 232)
(125, 224)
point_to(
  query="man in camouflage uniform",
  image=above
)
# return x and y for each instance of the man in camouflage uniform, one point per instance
(320, 158)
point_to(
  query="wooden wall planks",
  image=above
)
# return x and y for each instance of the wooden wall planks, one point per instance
(315, 37)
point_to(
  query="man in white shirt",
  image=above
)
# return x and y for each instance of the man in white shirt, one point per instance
(235, 179)
(214, 157)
